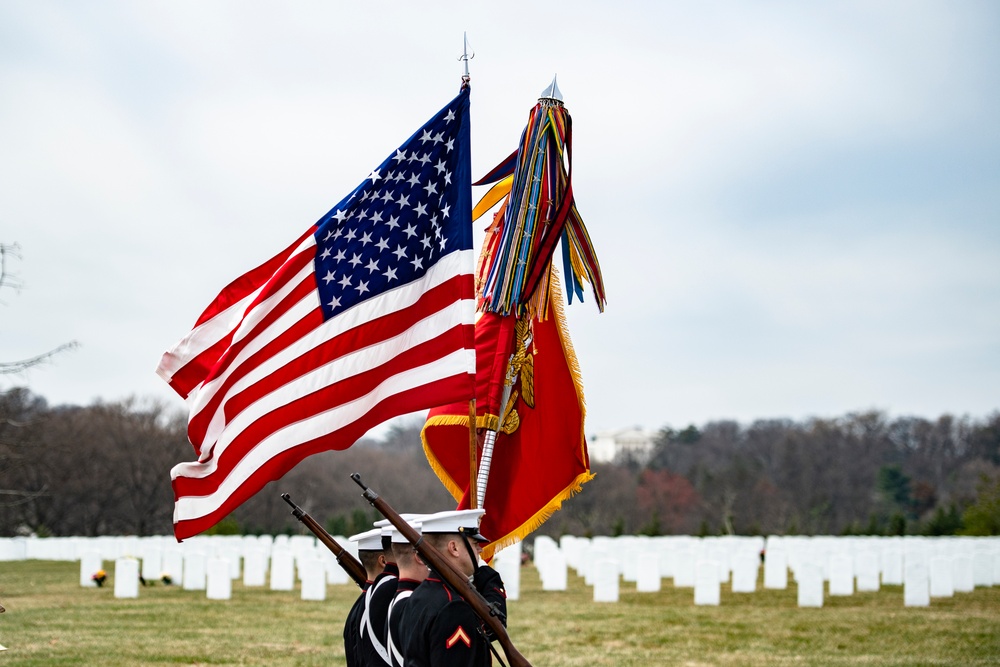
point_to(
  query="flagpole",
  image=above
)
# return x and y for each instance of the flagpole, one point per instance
(491, 435)
(473, 455)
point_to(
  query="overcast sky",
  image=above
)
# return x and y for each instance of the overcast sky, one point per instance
(796, 205)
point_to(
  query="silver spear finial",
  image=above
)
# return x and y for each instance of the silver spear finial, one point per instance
(552, 92)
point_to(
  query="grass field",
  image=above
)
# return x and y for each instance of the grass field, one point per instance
(52, 621)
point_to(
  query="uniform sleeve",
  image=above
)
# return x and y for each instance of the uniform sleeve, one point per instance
(455, 639)
(489, 584)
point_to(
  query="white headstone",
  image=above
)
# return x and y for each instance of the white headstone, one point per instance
(892, 566)
(282, 569)
(508, 563)
(554, 573)
(194, 571)
(866, 571)
(916, 585)
(941, 577)
(982, 568)
(606, 581)
(126, 576)
(152, 563)
(219, 584)
(648, 578)
(775, 570)
(961, 574)
(312, 571)
(255, 567)
(684, 568)
(746, 566)
(841, 575)
(90, 563)
(706, 582)
(173, 566)
(809, 579)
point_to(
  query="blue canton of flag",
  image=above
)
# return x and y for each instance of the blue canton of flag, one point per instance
(404, 217)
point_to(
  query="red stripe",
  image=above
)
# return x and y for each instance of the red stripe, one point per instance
(325, 399)
(401, 403)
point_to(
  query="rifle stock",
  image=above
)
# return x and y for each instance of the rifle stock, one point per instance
(455, 579)
(345, 559)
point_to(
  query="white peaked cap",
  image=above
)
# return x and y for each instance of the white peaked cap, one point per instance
(388, 530)
(454, 521)
(370, 540)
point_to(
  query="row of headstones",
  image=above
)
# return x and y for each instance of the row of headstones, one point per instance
(215, 574)
(112, 547)
(603, 560)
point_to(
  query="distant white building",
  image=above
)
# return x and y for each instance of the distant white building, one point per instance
(622, 444)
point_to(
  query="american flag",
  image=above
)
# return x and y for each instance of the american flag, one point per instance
(368, 315)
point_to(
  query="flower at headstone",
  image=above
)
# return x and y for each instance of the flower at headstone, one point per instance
(166, 578)
(99, 577)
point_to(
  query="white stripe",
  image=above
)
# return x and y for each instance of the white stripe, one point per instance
(192, 507)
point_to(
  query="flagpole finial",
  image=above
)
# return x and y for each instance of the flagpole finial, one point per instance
(465, 58)
(552, 92)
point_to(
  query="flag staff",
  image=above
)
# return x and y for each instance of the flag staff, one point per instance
(465, 58)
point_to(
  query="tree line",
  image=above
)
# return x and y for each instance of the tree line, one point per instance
(104, 469)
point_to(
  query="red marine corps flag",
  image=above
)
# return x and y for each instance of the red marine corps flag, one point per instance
(532, 450)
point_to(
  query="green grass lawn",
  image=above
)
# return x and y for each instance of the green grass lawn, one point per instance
(51, 620)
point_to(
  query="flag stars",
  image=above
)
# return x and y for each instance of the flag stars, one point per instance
(426, 242)
(334, 303)
(325, 254)
(399, 252)
(340, 216)
(430, 188)
(362, 287)
(421, 210)
(450, 117)
(345, 282)
(410, 230)
(399, 156)
(366, 238)
(418, 263)
(382, 244)
(329, 277)
(355, 260)
(390, 274)
(441, 167)
(372, 266)
(393, 222)
(426, 136)
(414, 180)
(351, 234)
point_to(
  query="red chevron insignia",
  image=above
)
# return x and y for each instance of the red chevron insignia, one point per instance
(459, 636)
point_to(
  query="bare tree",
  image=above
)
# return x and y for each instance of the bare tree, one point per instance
(11, 280)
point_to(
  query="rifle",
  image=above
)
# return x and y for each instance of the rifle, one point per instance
(345, 559)
(455, 579)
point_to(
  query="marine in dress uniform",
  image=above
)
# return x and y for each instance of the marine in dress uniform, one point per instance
(373, 558)
(439, 627)
(412, 571)
(372, 638)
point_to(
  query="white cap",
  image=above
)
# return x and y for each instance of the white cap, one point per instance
(454, 521)
(370, 540)
(388, 530)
